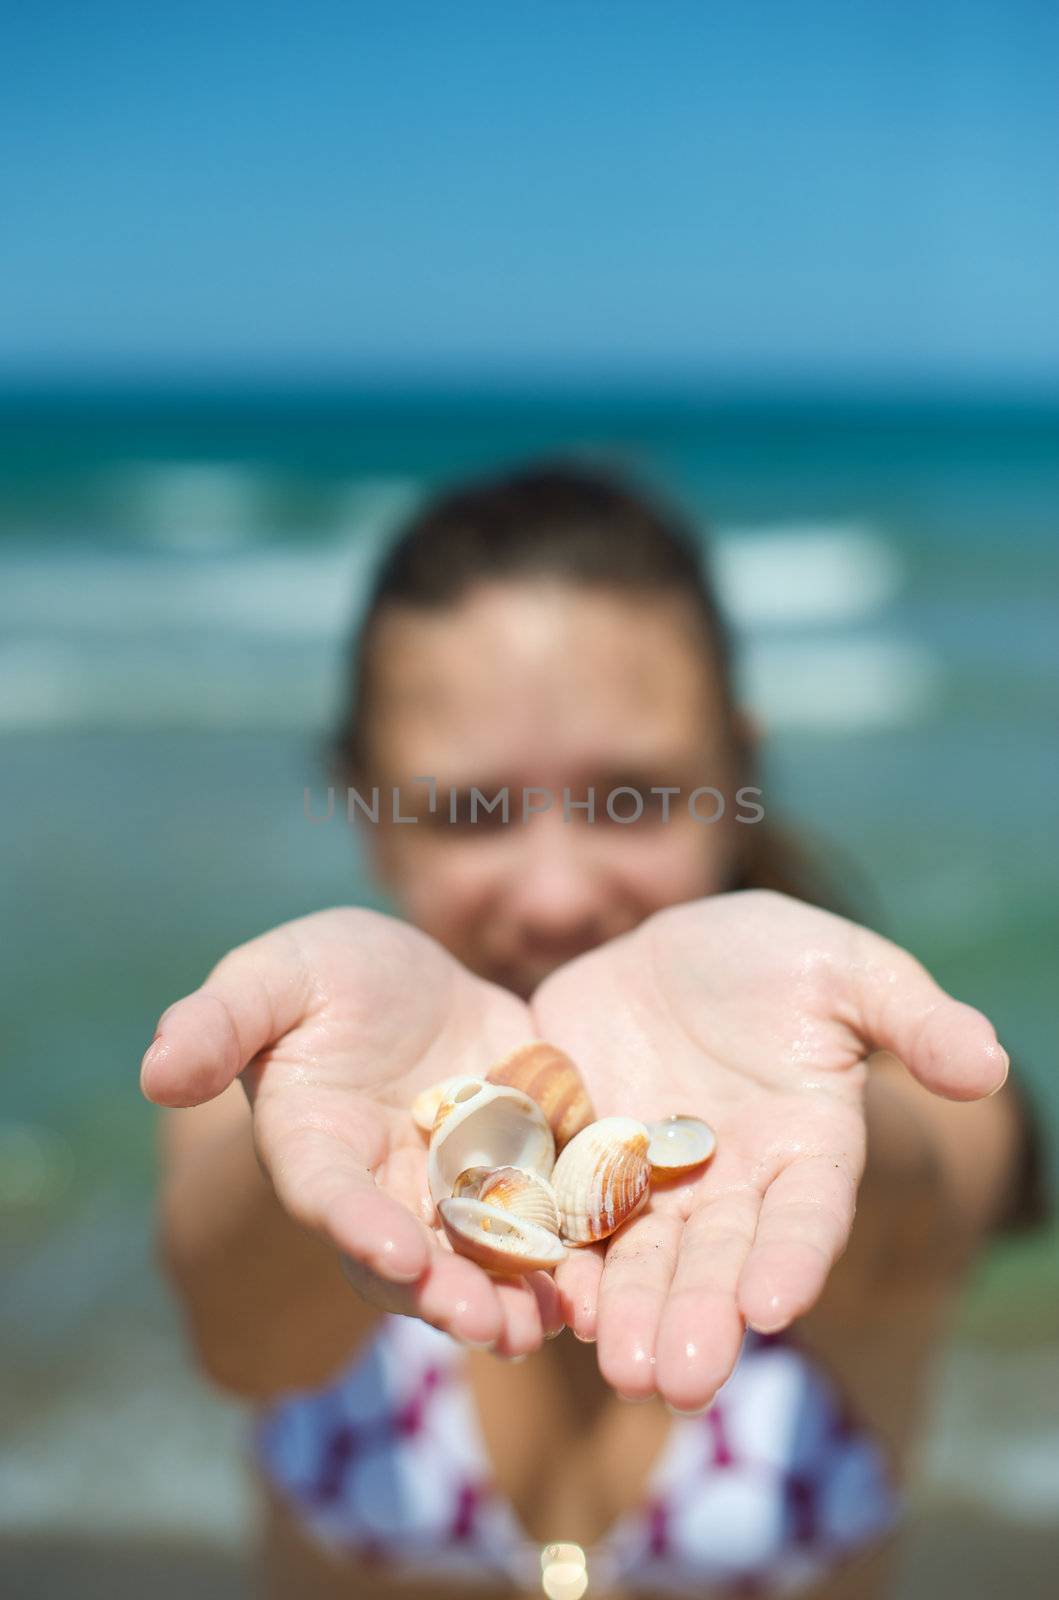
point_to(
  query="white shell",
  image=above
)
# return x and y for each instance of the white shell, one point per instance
(498, 1240)
(426, 1103)
(602, 1178)
(486, 1125)
(678, 1144)
(523, 1193)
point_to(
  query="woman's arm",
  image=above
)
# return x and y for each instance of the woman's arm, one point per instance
(941, 1177)
(266, 1302)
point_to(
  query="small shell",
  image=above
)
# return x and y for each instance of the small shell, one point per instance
(427, 1101)
(548, 1075)
(678, 1144)
(454, 1091)
(602, 1178)
(523, 1194)
(486, 1125)
(498, 1240)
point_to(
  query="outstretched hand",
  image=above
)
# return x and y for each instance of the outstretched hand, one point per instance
(751, 1010)
(755, 1012)
(334, 1023)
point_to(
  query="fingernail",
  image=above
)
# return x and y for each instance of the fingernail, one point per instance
(633, 1399)
(1007, 1072)
(154, 1051)
(513, 1360)
(554, 1333)
(392, 1273)
(692, 1411)
(478, 1344)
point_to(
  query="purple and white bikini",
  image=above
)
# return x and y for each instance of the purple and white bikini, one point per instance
(764, 1493)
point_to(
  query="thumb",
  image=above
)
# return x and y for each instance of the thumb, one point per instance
(251, 999)
(950, 1047)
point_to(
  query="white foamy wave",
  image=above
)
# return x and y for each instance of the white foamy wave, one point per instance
(804, 573)
(795, 592)
(209, 507)
(255, 637)
(54, 683)
(294, 593)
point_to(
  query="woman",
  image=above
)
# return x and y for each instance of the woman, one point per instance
(551, 634)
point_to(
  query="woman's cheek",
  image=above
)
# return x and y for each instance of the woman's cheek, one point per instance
(673, 862)
(447, 891)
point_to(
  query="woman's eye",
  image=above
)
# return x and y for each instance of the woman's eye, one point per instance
(630, 807)
(466, 811)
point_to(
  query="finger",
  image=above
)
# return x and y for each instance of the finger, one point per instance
(701, 1331)
(452, 1295)
(459, 1298)
(577, 1279)
(255, 995)
(391, 1257)
(522, 1331)
(326, 1186)
(549, 1303)
(638, 1270)
(950, 1047)
(805, 1222)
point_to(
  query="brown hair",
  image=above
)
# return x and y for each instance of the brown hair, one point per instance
(582, 527)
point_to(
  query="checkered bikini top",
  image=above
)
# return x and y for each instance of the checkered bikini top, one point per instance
(766, 1491)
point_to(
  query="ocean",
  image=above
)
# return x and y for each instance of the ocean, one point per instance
(179, 574)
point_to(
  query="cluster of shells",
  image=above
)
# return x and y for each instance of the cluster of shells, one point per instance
(519, 1168)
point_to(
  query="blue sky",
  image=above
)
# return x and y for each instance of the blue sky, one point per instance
(752, 188)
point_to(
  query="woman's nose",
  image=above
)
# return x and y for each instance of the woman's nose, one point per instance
(556, 891)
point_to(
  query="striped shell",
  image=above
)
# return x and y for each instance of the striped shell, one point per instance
(602, 1178)
(549, 1077)
(513, 1189)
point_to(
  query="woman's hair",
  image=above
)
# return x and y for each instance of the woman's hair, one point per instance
(584, 528)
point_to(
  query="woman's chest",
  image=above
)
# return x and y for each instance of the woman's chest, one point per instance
(469, 1466)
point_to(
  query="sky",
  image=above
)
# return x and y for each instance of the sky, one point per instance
(740, 189)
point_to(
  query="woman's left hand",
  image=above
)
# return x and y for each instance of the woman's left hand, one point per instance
(755, 1012)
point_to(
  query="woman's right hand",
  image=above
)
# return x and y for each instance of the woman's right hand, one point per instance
(333, 1023)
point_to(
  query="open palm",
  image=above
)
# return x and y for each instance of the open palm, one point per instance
(755, 1012)
(335, 1022)
(752, 1010)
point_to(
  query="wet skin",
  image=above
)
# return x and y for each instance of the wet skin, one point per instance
(754, 1011)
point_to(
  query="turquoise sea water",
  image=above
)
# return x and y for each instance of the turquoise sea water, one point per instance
(178, 575)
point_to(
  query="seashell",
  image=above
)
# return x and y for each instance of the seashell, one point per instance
(524, 1194)
(549, 1076)
(427, 1101)
(497, 1240)
(678, 1144)
(602, 1178)
(483, 1124)
(454, 1091)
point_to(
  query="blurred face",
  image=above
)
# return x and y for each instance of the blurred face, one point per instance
(539, 685)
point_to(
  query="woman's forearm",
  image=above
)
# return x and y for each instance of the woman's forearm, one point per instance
(936, 1182)
(267, 1306)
